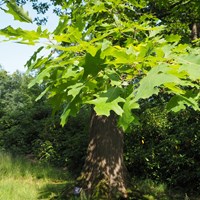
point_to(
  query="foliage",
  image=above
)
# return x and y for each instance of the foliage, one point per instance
(166, 149)
(178, 16)
(159, 148)
(17, 12)
(64, 147)
(20, 114)
(111, 61)
(15, 8)
(27, 127)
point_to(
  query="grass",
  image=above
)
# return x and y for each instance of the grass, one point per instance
(25, 180)
(147, 189)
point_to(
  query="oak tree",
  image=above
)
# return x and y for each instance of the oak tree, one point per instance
(110, 55)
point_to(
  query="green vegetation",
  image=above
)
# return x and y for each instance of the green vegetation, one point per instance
(126, 88)
(23, 178)
(162, 160)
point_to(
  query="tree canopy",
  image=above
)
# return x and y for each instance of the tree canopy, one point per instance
(109, 55)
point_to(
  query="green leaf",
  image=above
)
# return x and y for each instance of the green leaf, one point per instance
(179, 102)
(33, 57)
(93, 64)
(181, 48)
(65, 115)
(191, 64)
(156, 77)
(75, 89)
(107, 101)
(79, 22)
(102, 107)
(38, 63)
(173, 38)
(174, 88)
(127, 116)
(17, 12)
(62, 25)
(71, 109)
(40, 78)
(105, 44)
(155, 31)
(24, 36)
(176, 104)
(113, 77)
(146, 50)
(42, 94)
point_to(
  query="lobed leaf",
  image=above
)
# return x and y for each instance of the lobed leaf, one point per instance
(17, 12)
(191, 64)
(155, 78)
(107, 101)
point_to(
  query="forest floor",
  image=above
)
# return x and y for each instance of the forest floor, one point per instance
(25, 179)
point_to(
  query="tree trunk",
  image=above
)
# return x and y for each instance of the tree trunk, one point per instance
(104, 170)
(195, 31)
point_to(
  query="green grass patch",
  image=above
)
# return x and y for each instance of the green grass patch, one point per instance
(22, 179)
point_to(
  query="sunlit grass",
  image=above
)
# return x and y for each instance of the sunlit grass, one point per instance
(21, 179)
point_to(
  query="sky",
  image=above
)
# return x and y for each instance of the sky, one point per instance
(13, 56)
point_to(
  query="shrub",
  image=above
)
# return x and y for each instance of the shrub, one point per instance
(166, 147)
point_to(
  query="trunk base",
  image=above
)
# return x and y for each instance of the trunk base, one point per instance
(104, 173)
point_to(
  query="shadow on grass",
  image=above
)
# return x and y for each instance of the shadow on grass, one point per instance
(52, 191)
(57, 191)
(142, 190)
(146, 189)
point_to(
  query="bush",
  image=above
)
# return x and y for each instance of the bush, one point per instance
(166, 147)
(64, 147)
(27, 126)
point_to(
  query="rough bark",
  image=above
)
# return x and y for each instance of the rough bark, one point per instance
(195, 31)
(104, 169)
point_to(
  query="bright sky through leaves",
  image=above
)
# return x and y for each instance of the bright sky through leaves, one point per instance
(13, 56)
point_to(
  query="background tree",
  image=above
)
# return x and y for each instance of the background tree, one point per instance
(180, 17)
(28, 128)
(18, 121)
